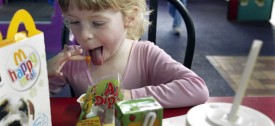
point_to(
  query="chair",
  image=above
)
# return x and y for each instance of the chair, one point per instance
(190, 47)
(153, 5)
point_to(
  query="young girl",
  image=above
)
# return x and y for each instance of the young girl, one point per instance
(108, 30)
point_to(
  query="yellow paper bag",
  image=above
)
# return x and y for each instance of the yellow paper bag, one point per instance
(24, 90)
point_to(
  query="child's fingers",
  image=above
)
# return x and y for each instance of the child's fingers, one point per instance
(64, 56)
(65, 48)
(71, 51)
(57, 63)
(59, 74)
(54, 73)
(76, 52)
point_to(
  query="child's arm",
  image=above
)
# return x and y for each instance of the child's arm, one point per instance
(56, 63)
(158, 75)
(63, 71)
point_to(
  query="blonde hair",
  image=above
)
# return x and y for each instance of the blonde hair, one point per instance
(134, 31)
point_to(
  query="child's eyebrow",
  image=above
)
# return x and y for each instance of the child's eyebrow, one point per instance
(69, 15)
(97, 15)
(90, 16)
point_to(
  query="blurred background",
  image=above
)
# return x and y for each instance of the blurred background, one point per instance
(224, 34)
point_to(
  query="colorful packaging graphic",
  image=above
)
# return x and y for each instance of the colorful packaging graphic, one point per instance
(23, 67)
(24, 90)
(98, 107)
(139, 112)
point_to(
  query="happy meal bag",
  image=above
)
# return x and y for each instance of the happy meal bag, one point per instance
(24, 90)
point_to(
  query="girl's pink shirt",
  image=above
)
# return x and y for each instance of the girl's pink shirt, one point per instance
(150, 72)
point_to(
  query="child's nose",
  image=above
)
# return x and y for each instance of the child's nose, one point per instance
(87, 34)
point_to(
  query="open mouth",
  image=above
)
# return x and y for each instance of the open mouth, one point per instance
(97, 55)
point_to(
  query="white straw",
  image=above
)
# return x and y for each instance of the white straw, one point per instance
(253, 54)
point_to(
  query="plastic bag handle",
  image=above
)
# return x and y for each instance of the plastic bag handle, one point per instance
(22, 16)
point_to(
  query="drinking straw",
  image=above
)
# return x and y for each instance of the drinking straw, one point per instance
(253, 54)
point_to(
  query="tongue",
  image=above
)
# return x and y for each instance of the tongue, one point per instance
(96, 55)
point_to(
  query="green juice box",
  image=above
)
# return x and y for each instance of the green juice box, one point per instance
(139, 112)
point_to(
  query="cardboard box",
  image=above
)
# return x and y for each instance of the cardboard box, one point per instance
(137, 112)
(24, 86)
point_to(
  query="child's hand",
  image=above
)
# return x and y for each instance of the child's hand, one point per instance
(55, 64)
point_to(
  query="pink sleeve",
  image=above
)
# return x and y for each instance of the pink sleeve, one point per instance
(56, 84)
(170, 82)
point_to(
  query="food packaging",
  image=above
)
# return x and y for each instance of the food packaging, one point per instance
(24, 84)
(81, 99)
(139, 112)
(98, 102)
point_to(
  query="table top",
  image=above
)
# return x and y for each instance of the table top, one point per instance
(65, 111)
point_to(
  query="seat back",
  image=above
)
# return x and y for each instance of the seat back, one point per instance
(153, 5)
(190, 47)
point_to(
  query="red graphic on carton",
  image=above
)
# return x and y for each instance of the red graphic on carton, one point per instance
(109, 97)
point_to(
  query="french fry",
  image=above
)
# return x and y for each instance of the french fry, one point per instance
(88, 61)
(86, 58)
(78, 58)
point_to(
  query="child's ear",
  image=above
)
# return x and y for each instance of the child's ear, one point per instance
(130, 17)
